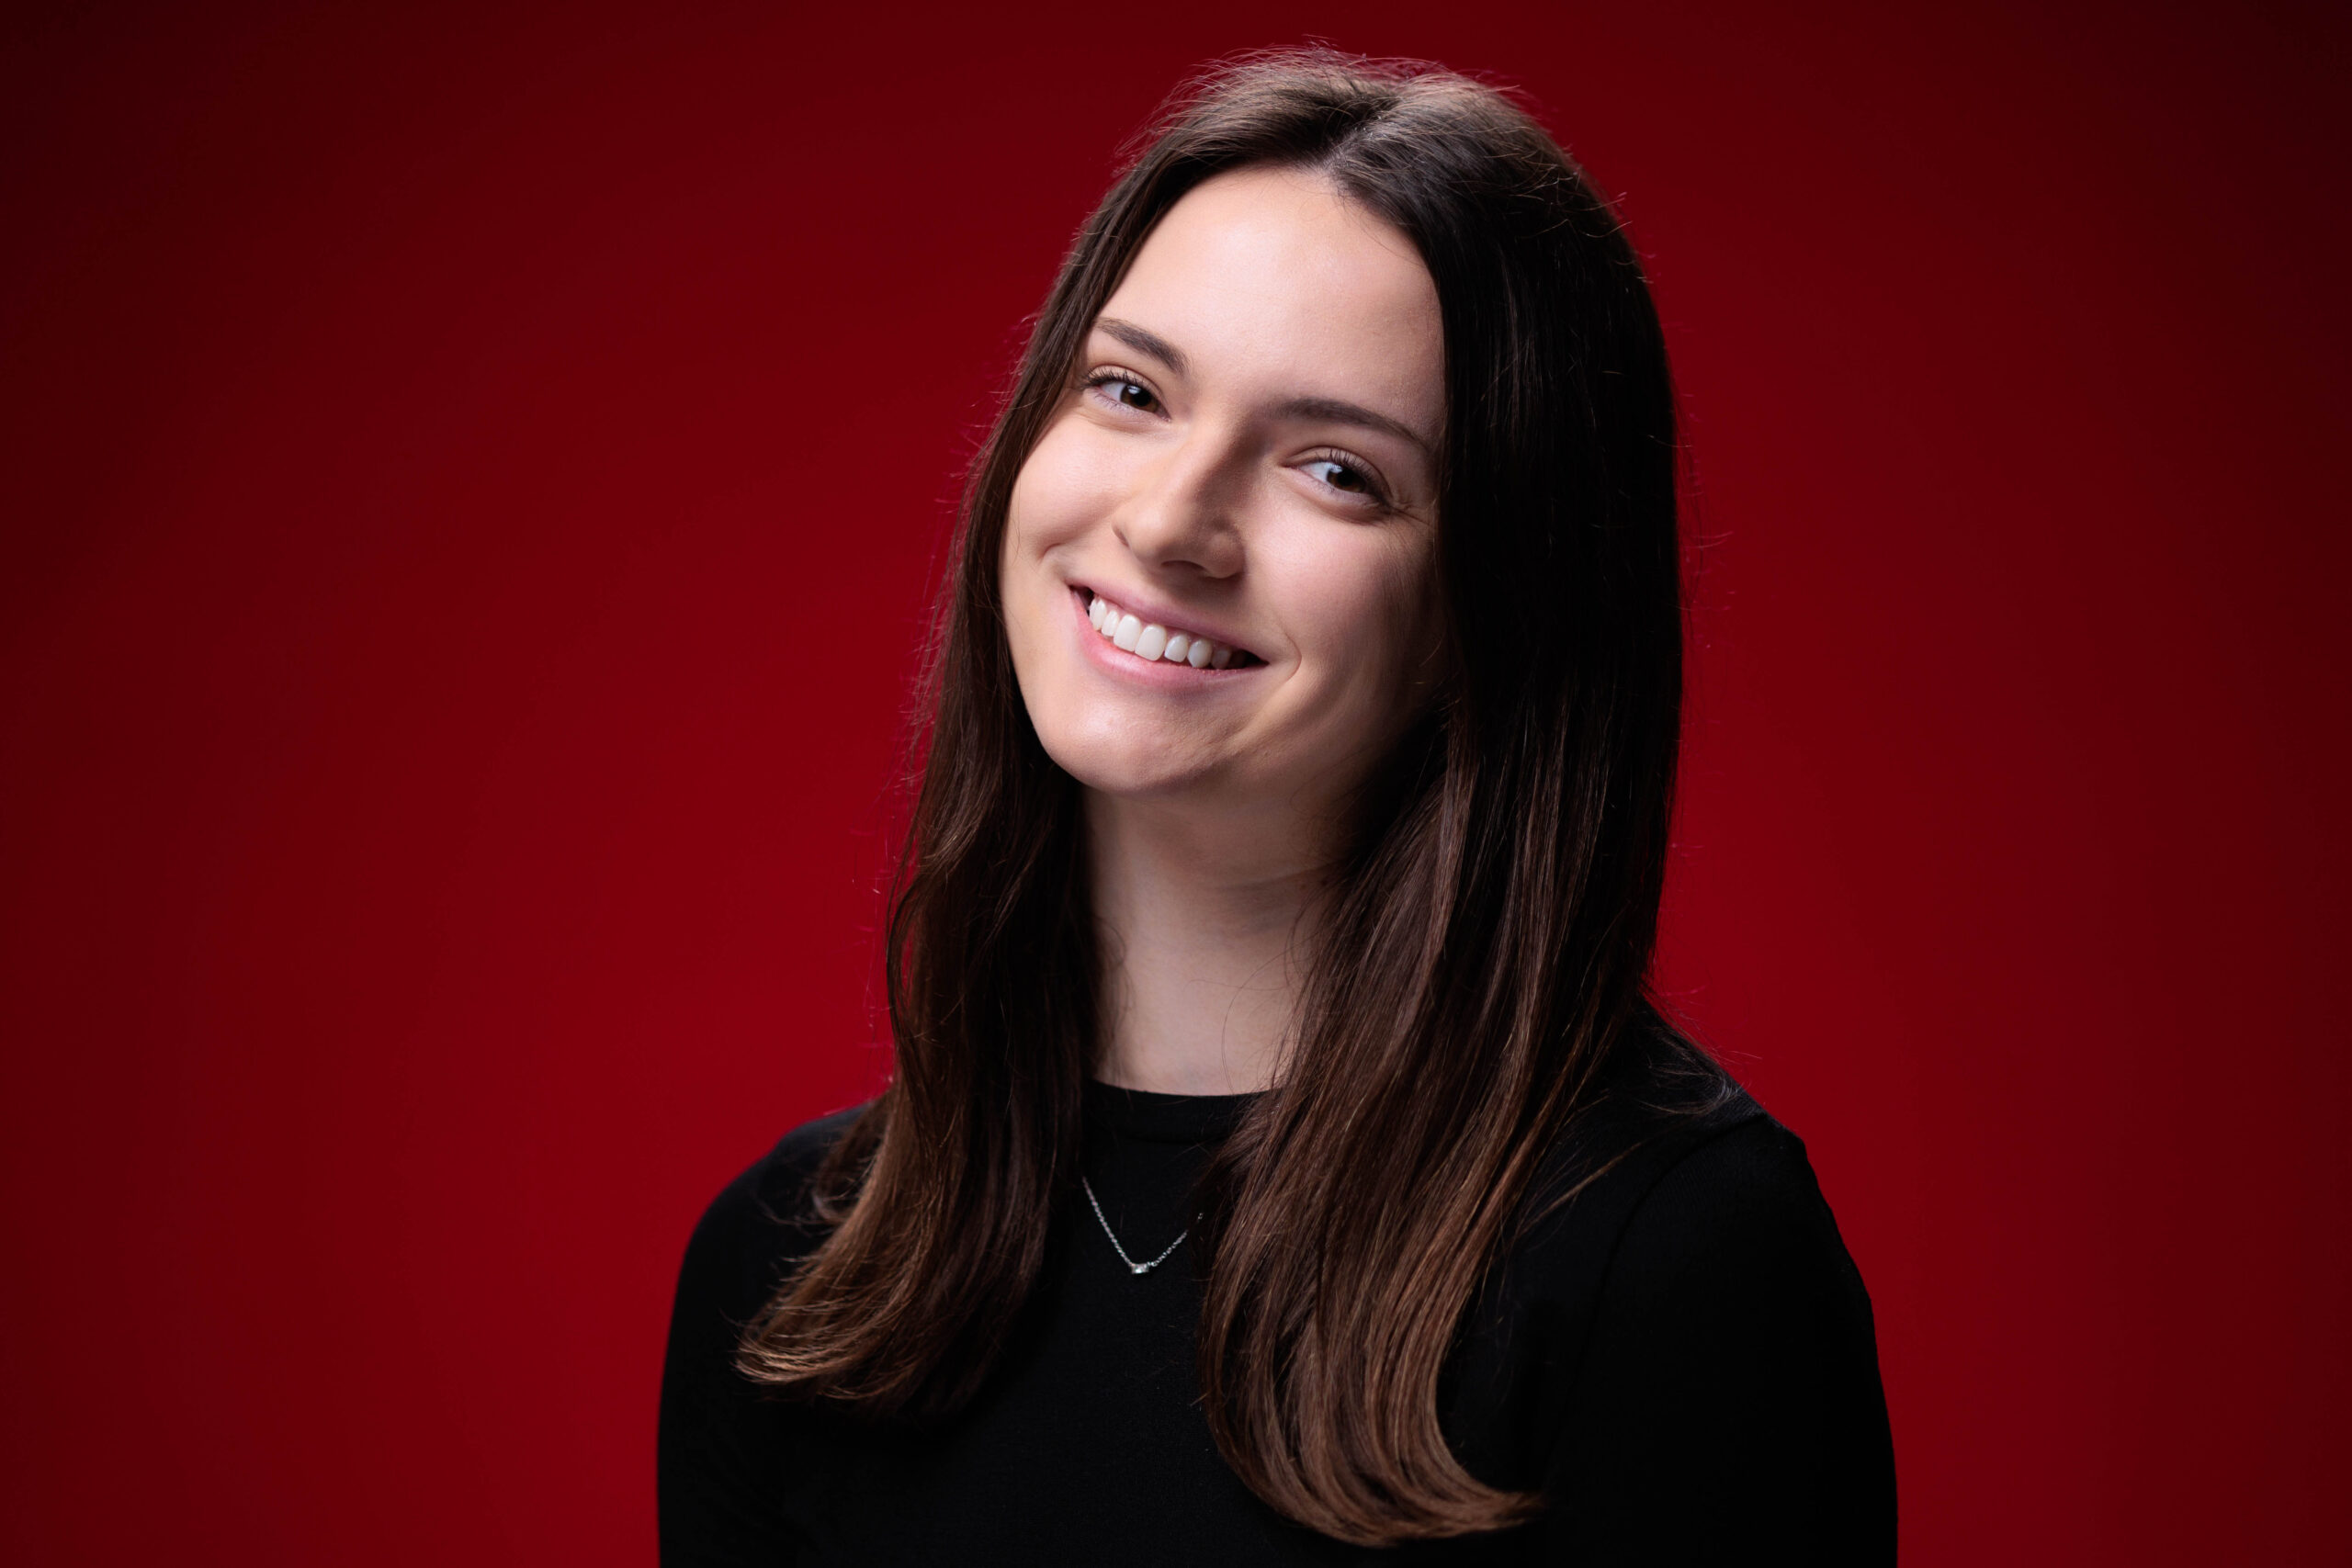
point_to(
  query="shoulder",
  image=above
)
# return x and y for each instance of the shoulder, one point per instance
(1672, 1209)
(1735, 1222)
(1682, 1336)
(764, 1222)
(1677, 1183)
(1655, 1120)
(721, 1445)
(780, 1180)
(1730, 1346)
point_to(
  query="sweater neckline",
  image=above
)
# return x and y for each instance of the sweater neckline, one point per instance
(1156, 1118)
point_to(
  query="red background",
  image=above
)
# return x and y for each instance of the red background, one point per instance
(470, 484)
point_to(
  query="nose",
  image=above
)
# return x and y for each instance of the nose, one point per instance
(1182, 515)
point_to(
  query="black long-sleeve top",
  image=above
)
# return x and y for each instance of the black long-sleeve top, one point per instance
(1681, 1359)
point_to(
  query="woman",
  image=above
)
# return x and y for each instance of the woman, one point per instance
(1283, 1160)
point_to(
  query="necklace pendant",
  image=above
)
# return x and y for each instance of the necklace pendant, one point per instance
(1133, 1267)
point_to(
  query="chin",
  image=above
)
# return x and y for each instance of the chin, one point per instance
(1123, 770)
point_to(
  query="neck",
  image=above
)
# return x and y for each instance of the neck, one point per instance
(1206, 923)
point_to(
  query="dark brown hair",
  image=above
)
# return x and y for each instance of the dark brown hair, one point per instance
(1490, 935)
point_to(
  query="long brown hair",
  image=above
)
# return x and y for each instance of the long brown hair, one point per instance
(1491, 932)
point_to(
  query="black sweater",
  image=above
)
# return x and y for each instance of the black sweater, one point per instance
(1681, 1359)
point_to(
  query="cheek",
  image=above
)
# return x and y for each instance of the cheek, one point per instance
(1061, 490)
(1053, 504)
(1365, 612)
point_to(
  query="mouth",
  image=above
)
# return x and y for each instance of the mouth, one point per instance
(1156, 644)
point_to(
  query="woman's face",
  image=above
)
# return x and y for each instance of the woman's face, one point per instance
(1218, 564)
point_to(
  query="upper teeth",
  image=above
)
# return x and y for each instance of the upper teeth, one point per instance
(1147, 640)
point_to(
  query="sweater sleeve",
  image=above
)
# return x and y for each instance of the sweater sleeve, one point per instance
(724, 1449)
(1728, 1405)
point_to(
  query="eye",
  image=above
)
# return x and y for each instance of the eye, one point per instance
(1346, 475)
(1338, 476)
(1123, 390)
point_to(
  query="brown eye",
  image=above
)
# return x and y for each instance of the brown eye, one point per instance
(1338, 476)
(1125, 390)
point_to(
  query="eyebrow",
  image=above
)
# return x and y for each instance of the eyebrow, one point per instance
(1334, 411)
(1144, 342)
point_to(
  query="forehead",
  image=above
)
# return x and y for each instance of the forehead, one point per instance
(1271, 280)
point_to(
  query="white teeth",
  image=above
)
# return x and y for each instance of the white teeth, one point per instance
(1145, 640)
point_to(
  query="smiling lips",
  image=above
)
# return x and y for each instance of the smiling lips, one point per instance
(1156, 644)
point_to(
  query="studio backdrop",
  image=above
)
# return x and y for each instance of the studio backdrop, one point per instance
(471, 479)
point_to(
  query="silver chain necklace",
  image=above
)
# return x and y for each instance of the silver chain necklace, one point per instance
(1133, 1265)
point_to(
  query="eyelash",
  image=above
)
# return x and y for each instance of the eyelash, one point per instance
(1374, 490)
(1111, 375)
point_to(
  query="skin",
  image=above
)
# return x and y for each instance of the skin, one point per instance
(1246, 451)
